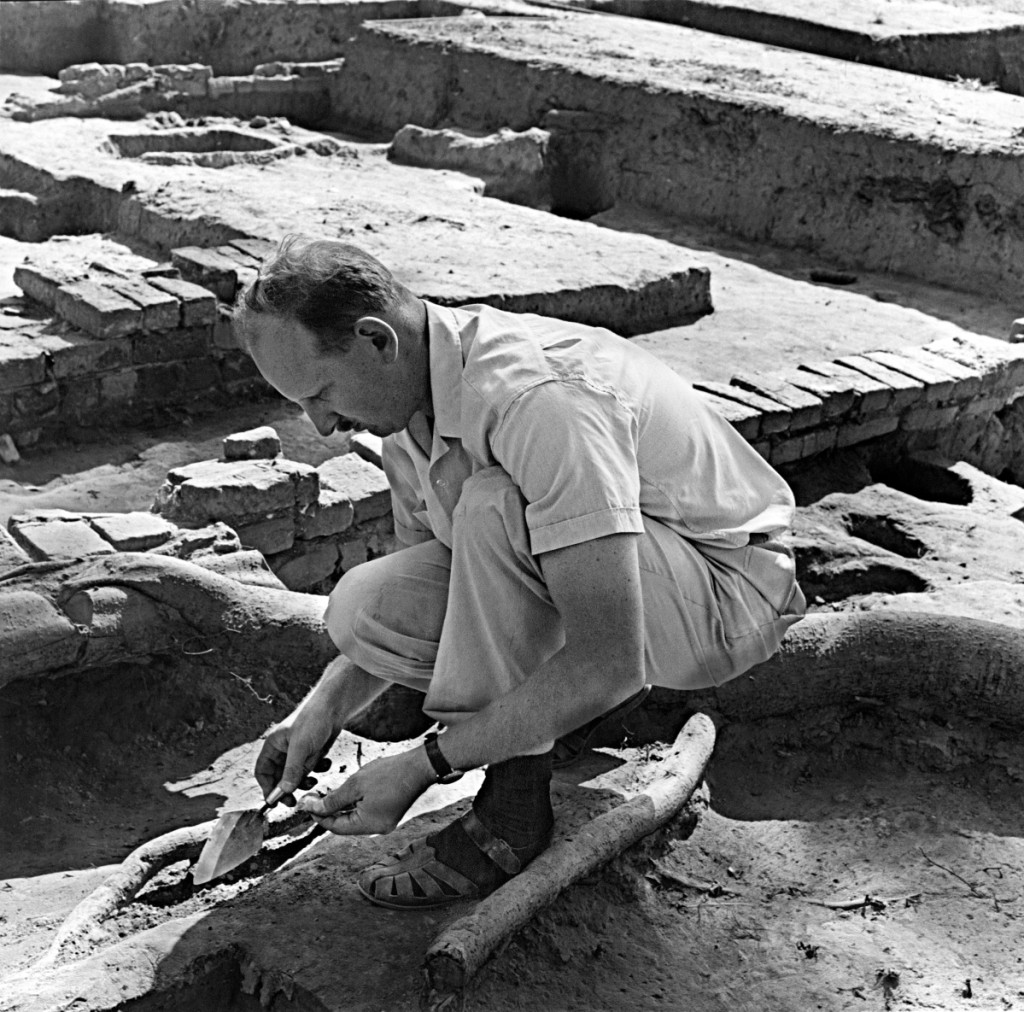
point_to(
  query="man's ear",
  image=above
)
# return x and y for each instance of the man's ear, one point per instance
(381, 333)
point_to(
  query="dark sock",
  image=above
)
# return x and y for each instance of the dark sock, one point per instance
(514, 803)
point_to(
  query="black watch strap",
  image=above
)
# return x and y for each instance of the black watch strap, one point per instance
(442, 770)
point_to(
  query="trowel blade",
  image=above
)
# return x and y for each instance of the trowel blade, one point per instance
(236, 837)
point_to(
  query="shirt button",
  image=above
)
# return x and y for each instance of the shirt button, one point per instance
(441, 483)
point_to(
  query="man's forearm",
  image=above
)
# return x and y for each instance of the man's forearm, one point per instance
(344, 689)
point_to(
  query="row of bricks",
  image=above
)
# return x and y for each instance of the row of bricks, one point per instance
(859, 397)
(99, 399)
(107, 304)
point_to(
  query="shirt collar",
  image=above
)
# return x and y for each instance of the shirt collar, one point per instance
(446, 364)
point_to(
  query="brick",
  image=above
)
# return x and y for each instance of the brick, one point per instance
(260, 442)
(58, 538)
(268, 536)
(774, 416)
(241, 492)
(1001, 365)
(310, 566)
(224, 330)
(12, 554)
(966, 381)
(198, 306)
(332, 514)
(200, 376)
(80, 400)
(939, 384)
(38, 402)
(837, 396)
(22, 362)
(806, 409)
(905, 390)
(74, 354)
(929, 417)
(160, 309)
(169, 346)
(257, 249)
(871, 394)
(220, 87)
(213, 539)
(118, 389)
(133, 532)
(42, 281)
(365, 485)
(243, 258)
(209, 269)
(743, 418)
(982, 406)
(354, 553)
(872, 428)
(369, 447)
(97, 310)
(275, 85)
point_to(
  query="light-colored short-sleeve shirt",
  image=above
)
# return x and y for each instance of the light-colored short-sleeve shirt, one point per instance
(594, 431)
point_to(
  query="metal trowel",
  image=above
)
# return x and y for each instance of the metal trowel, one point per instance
(236, 837)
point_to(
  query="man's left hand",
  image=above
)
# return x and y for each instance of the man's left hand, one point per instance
(374, 799)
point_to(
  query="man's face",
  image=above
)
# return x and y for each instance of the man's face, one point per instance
(354, 389)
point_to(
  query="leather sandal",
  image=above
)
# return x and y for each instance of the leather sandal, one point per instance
(570, 747)
(415, 879)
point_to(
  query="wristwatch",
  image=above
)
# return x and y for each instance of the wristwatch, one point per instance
(443, 772)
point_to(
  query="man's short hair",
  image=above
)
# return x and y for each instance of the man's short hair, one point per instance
(324, 284)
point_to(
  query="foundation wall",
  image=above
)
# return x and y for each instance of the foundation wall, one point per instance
(870, 200)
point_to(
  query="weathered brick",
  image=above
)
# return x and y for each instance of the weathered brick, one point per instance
(80, 400)
(74, 354)
(871, 394)
(37, 402)
(169, 346)
(982, 406)
(237, 492)
(22, 361)
(966, 381)
(197, 305)
(262, 442)
(233, 251)
(268, 536)
(870, 428)
(365, 485)
(905, 390)
(209, 269)
(12, 554)
(369, 447)
(133, 532)
(837, 395)
(224, 330)
(939, 384)
(257, 249)
(160, 309)
(42, 281)
(58, 538)
(354, 553)
(118, 389)
(307, 567)
(331, 514)
(743, 418)
(929, 417)
(275, 85)
(201, 376)
(806, 409)
(774, 416)
(97, 309)
(216, 539)
(1000, 364)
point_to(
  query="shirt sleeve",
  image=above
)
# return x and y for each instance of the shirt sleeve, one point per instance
(405, 497)
(571, 447)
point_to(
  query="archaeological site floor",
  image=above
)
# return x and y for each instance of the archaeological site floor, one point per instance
(812, 210)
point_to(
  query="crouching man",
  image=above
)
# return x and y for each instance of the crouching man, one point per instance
(576, 524)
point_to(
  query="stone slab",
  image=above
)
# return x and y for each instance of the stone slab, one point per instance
(198, 305)
(259, 442)
(22, 361)
(160, 309)
(97, 309)
(133, 532)
(58, 538)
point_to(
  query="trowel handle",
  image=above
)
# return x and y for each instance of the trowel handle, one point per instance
(272, 799)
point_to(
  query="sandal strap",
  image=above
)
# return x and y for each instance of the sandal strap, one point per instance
(493, 846)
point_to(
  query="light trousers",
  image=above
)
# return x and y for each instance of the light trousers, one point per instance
(466, 625)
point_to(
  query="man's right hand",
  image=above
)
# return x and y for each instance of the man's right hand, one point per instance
(296, 748)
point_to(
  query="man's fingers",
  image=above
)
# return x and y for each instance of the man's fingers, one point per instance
(269, 764)
(322, 765)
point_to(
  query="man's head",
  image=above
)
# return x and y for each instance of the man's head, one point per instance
(331, 329)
